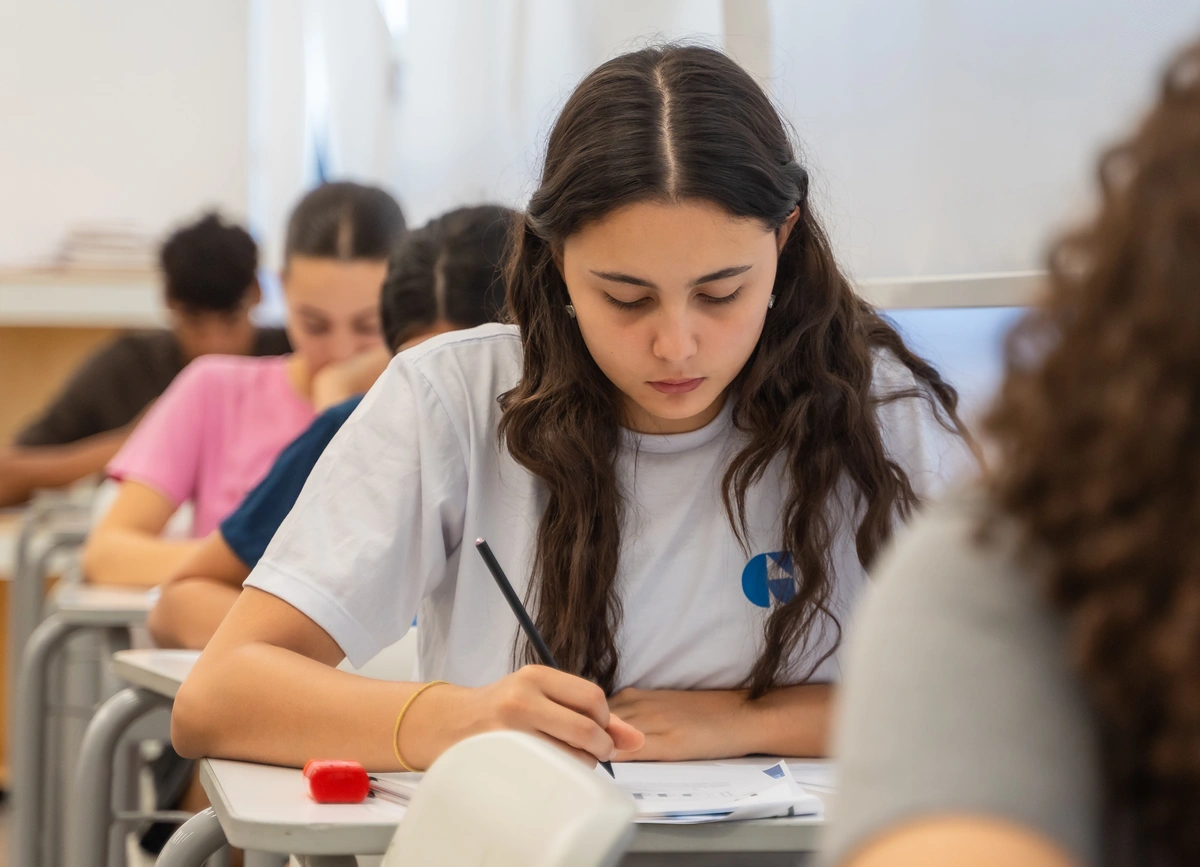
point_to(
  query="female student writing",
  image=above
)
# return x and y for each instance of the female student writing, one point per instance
(1022, 683)
(442, 277)
(214, 433)
(683, 452)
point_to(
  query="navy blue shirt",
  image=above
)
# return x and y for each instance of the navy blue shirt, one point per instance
(249, 529)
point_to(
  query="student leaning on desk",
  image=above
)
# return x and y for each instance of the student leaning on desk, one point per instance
(215, 432)
(441, 277)
(684, 450)
(210, 285)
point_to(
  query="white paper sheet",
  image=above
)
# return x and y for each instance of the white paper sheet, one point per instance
(695, 792)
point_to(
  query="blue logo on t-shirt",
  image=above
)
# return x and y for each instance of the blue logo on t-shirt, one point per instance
(769, 575)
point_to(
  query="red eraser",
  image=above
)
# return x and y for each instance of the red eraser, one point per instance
(336, 782)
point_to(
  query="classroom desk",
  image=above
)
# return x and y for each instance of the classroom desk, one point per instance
(78, 607)
(265, 808)
(154, 677)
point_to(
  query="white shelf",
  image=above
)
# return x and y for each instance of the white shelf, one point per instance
(1006, 289)
(89, 299)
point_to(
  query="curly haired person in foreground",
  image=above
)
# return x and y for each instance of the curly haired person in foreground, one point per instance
(1024, 677)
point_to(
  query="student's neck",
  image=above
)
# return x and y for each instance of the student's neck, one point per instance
(299, 377)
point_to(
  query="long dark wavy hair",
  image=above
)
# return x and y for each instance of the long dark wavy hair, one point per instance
(669, 124)
(1098, 435)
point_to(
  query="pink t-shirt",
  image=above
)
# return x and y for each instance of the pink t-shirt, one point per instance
(214, 433)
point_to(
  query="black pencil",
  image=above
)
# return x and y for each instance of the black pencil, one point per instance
(514, 602)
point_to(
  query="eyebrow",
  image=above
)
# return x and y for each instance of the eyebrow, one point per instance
(618, 277)
(314, 313)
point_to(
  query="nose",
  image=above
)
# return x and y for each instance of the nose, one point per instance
(674, 335)
(342, 345)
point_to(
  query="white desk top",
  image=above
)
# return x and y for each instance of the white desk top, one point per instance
(86, 605)
(160, 671)
(266, 808)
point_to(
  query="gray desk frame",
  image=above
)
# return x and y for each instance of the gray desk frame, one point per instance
(29, 727)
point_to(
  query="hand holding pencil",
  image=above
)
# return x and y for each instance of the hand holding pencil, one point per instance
(565, 710)
(574, 695)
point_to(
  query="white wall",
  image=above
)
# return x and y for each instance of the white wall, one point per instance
(944, 137)
(955, 137)
(481, 83)
(118, 110)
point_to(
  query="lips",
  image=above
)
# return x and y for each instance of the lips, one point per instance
(676, 386)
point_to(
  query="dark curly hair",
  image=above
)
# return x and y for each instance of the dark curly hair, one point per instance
(209, 265)
(669, 124)
(1098, 431)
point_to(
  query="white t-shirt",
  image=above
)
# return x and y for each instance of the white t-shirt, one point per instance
(384, 529)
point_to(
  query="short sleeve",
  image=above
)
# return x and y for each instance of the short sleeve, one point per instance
(958, 699)
(919, 435)
(251, 526)
(378, 520)
(164, 450)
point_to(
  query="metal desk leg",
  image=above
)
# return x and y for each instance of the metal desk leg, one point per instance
(29, 732)
(90, 813)
(20, 619)
(197, 839)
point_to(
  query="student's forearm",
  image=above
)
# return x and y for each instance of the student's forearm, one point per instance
(188, 612)
(682, 725)
(264, 703)
(265, 689)
(24, 470)
(116, 555)
(792, 721)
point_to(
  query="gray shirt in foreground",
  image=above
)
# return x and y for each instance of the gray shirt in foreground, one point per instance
(957, 697)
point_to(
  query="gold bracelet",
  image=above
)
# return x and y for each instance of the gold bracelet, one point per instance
(400, 719)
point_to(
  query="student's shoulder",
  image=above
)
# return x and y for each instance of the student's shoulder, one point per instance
(230, 374)
(156, 348)
(961, 551)
(890, 375)
(231, 367)
(491, 341)
(481, 359)
(903, 400)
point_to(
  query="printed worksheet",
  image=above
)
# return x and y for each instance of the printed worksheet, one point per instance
(695, 792)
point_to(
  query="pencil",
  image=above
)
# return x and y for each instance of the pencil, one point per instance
(514, 602)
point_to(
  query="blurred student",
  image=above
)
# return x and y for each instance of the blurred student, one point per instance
(210, 287)
(443, 277)
(216, 431)
(1024, 678)
(683, 450)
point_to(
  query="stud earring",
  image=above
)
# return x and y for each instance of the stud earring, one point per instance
(571, 310)
(770, 302)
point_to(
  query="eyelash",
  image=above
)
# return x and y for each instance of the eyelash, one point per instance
(708, 299)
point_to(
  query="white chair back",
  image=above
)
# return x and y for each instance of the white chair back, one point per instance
(507, 799)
